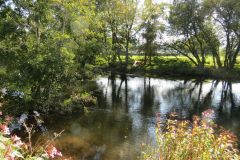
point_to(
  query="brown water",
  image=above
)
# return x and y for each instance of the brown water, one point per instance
(124, 117)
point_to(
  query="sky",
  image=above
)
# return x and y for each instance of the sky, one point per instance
(156, 1)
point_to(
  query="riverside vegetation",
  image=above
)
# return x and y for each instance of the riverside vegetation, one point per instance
(199, 139)
(49, 48)
(12, 147)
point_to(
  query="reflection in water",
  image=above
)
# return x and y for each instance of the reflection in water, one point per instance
(125, 115)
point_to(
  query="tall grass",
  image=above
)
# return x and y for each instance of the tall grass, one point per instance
(197, 140)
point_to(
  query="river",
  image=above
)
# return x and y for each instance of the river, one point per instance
(124, 117)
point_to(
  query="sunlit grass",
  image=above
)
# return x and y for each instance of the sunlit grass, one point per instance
(180, 59)
(174, 66)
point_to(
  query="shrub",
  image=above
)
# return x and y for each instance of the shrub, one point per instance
(197, 140)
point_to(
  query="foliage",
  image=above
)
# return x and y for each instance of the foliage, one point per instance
(201, 139)
(45, 44)
(226, 14)
(150, 27)
(189, 20)
(118, 18)
(203, 27)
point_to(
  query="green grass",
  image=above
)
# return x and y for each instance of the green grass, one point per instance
(209, 60)
(176, 66)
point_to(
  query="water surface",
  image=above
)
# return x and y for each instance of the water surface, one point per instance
(124, 117)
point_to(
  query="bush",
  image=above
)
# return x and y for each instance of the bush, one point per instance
(199, 140)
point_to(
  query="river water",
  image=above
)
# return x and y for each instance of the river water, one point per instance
(124, 117)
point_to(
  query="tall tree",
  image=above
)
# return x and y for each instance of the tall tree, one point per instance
(226, 13)
(150, 26)
(129, 14)
(119, 19)
(112, 17)
(187, 21)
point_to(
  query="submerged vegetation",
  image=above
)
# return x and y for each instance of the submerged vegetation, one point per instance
(199, 139)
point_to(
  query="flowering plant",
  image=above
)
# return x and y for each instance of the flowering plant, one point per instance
(12, 147)
(186, 140)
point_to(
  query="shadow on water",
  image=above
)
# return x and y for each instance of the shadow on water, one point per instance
(124, 116)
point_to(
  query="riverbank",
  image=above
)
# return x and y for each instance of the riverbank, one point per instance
(172, 66)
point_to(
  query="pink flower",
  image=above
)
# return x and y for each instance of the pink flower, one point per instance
(18, 143)
(15, 138)
(1, 113)
(4, 129)
(209, 113)
(52, 151)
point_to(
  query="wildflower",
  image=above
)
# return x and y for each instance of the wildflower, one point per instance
(18, 143)
(15, 138)
(4, 129)
(209, 113)
(52, 151)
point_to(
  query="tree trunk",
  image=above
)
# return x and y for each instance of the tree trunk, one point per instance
(145, 58)
(127, 56)
(113, 47)
(234, 57)
(150, 58)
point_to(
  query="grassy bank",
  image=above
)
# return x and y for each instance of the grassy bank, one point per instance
(174, 66)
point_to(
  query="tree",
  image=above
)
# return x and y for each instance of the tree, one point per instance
(46, 43)
(213, 44)
(187, 21)
(119, 19)
(150, 26)
(11, 41)
(111, 16)
(129, 14)
(226, 14)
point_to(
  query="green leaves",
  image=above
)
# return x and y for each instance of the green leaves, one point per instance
(43, 43)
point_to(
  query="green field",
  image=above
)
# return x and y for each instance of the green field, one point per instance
(176, 66)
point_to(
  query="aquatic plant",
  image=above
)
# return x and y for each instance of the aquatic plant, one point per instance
(200, 139)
